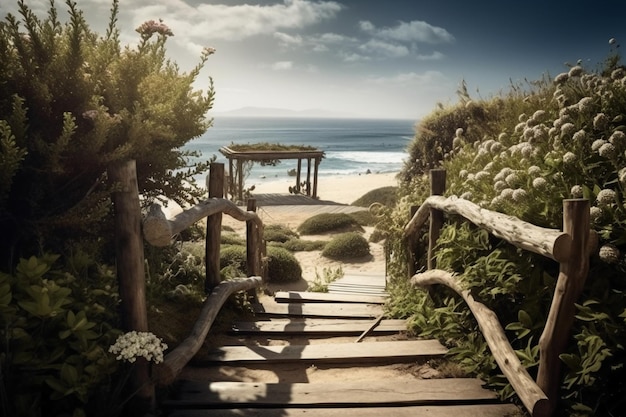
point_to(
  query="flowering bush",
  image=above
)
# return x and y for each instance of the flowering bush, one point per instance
(563, 138)
(132, 345)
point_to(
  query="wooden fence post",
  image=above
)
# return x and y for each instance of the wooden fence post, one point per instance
(214, 229)
(572, 275)
(131, 273)
(253, 247)
(412, 246)
(437, 187)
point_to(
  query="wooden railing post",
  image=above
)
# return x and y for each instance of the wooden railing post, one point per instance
(131, 274)
(412, 246)
(214, 229)
(437, 187)
(253, 245)
(572, 275)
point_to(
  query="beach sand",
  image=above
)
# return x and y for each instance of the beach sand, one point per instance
(341, 189)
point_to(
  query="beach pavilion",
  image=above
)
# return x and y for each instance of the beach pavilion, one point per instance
(237, 155)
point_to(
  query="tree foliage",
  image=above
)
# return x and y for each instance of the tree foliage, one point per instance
(71, 103)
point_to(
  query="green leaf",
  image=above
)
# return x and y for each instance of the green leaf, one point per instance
(571, 360)
(525, 319)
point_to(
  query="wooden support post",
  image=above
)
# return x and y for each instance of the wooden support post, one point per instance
(315, 169)
(240, 179)
(131, 274)
(437, 187)
(572, 275)
(214, 229)
(253, 247)
(298, 174)
(232, 180)
(308, 177)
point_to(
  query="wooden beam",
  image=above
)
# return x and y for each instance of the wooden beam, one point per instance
(317, 326)
(531, 395)
(319, 309)
(343, 352)
(324, 297)
(407, 391)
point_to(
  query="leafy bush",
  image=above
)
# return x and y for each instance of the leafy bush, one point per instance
(301, 245)
(233, 256)
(387, 196)
(328, 222)
(282, 266)
(278, 233)
(363, 218)
(347, 246)
(232, 239)
(72, 103)
(566, 141)
(55, 329)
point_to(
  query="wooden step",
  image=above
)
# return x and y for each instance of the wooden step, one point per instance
(482, 410)
(317, 326)
(319, 309)
(194, 394)
(368, 352)
(324, 297)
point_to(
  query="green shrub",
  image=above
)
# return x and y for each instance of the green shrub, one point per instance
(278, 233)
(387, 196)
(282, 266)
(233, 256)
(363, 218)
(328, 222)
(232, 239)
(72, 103)
(347, 246)
(301, 245)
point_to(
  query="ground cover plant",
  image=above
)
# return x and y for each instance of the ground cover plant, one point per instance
(522, 153)
(349, 245)
(328, 222)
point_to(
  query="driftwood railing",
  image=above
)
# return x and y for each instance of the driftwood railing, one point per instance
(159, 231)
(571, 247)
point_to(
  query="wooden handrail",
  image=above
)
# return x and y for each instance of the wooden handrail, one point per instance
(175, 361)
(571, 247)
(531, 395)
(551, 243)
(158, 230)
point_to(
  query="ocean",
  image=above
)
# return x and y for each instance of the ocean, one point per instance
(351, 146)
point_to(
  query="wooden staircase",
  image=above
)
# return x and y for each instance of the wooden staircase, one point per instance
(330, 354)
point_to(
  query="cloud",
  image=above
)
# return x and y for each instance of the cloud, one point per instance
(428, 78)
(282, 65)
(243, 21)
(414, 31)
(385, 49)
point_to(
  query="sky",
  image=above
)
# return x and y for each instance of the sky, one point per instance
(368, 58)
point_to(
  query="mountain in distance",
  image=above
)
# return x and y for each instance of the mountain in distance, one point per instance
(276, 112)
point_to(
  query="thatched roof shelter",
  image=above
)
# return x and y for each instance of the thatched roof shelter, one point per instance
(268, 153)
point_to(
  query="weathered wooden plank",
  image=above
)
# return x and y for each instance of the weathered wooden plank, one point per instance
(319, 297)
(363, 352)
(315, 326)
(193, 394)
(319, 310)
(483, 410)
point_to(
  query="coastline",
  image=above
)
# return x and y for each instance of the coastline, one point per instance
(344, 189)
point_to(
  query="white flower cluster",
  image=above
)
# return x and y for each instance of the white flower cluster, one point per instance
(132, 345)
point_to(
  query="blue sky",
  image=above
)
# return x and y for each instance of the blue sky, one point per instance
(369, 58)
